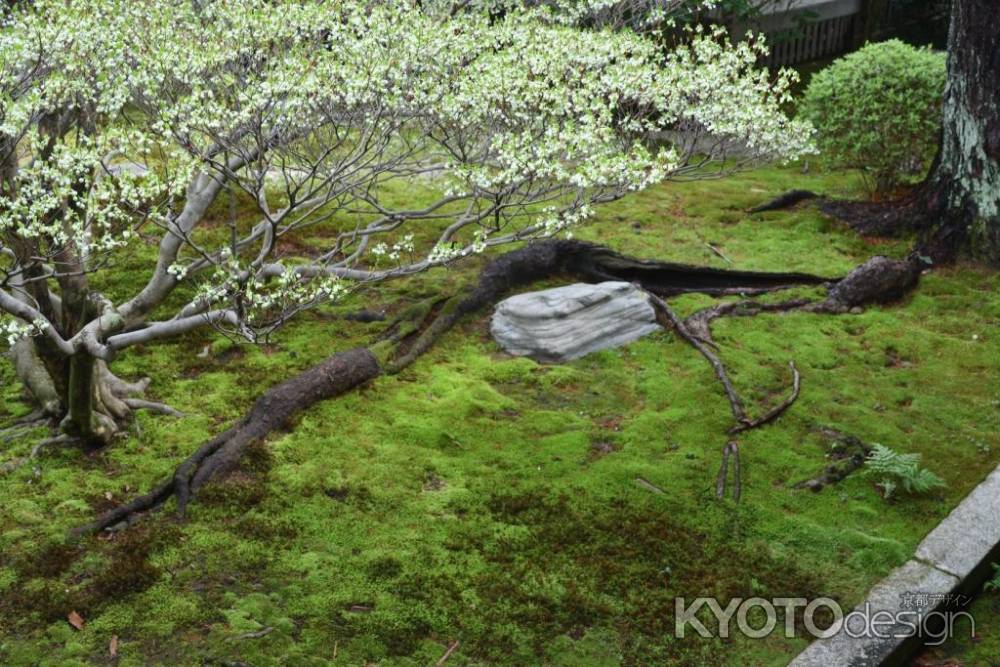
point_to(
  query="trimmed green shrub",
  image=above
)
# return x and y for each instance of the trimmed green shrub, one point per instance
(879, 110)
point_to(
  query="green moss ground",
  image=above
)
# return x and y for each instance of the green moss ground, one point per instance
(492, 500)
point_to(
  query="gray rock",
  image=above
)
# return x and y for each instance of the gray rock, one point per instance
(128, 167)
(569, 322)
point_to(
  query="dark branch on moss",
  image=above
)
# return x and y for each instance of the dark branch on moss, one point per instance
(417, 329)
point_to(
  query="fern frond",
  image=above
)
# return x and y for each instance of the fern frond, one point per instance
(898, 469)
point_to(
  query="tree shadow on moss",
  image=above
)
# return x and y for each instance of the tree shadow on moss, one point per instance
(558, 566)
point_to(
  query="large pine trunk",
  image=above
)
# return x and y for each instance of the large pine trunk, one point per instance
(962, 192)
(956, 209)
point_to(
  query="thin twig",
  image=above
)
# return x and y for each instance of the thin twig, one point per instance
(255, 635)
(24, 425)
(33, 418)
(730, 449)
(718, 252)
(649, 486)
(447, 654)
(14, 464)
(14, 432)
(720, 480)
(737, 474)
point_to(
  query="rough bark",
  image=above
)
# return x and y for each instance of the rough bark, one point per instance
(965, 183)
(667, 279)
(272, 411)
(592, 263)
(956, 209)
(878, 280)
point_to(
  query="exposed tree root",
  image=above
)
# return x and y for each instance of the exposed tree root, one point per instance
(418, 327)
(699, 323)
(942, 233)
(871, 218)
(701, 340)
(24, 425)
(787, 200)
(114, 400)
(152, 406)
(696, 330)
(777, 410)
(876, 281)
(879, 280)
(868, 218)
(272, 411)
(916, 212)
(730, 449)
(667, 279)
(848, 454)
(669, 320)
(126, 514)
(16, 463)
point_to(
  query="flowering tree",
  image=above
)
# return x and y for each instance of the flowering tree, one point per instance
(122, 122)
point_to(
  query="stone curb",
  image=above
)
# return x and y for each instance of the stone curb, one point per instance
(955, 557)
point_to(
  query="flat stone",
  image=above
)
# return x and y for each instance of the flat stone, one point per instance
(910, 588)
(127, 167)
(569, 322)
(963, 542)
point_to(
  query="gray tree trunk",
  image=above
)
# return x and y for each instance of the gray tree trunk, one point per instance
(963, 189)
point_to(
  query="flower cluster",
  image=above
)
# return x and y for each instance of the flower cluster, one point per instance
(394, 252)
(13, 330)
(118, 117)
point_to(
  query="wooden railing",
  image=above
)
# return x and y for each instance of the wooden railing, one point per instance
(812, 41)
(804, 30)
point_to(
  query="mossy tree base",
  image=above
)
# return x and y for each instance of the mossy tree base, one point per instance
(956, 210)
(96, 406)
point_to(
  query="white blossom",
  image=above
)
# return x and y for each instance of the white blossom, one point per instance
(119, 117)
